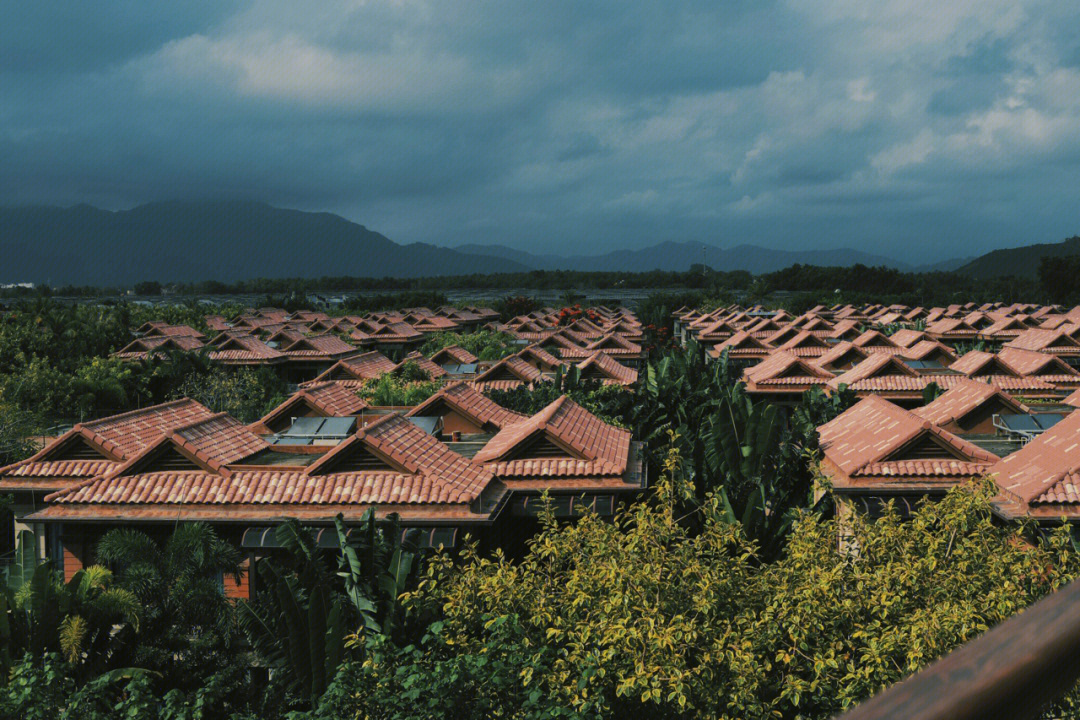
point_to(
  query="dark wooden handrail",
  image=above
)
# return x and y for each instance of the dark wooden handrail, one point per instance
(1015, 670)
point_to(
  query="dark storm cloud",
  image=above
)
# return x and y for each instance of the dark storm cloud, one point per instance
(938, 129)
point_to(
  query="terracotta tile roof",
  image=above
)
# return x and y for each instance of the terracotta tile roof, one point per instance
(454, 354)
(784, 369)
(131, 432)
(1003, 328)
(607, 369)
(889, 317)
(327, 346)
(216, 322)
(283, 337)
(841, 354)
(540, 357)
(963, 398)
(160, 329)
(803, 340)
(245, 349)
(1029, 362)
(977, 363)
(307, 316)
(782, 335)
(870, 440)
(395, 332)
(929, 350)
(907, 337)
(366, 366)
(742, 343)
(510, 368)
(874, 341)
(144, 347)
(117, 438)
(767, 325)
(434, 323)
(593, 448)
(563, 341)
(221, 439)
(434, 371)
(1053, 341)
(331, 325)
(819, 324)
(326, 399)
(875, 366)
(951, 328)
(615, 345)
(979, 320)
(501, 385)
(1046, 469)
(845, 330)
(1073, 399)
(225, 335)
(58, 468)
(716, 331)
(464, 399)
(418, 470)
(587, 328)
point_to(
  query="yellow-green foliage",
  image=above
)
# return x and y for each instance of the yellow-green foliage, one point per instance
(609, 619)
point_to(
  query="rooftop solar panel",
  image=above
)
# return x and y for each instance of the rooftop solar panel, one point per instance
(338, 426)
(923, 364)
(1020, 423)
(427, 424)
(306, 426)
(1047, 420)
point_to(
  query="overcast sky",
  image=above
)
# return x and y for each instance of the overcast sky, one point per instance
(913, 128)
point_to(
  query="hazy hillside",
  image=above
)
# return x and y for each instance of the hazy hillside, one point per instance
(1021, 261)
(229, 241)
(186, 241)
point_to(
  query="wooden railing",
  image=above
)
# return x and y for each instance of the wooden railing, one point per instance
(1015, 670)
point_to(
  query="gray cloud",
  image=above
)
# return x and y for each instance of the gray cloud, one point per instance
(923, 131)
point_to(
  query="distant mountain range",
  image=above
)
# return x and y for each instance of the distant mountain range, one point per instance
(680, 256)
(1021, 261)
(192, 241)
(186, 241)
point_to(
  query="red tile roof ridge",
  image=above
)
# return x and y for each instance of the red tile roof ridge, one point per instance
(90, 424)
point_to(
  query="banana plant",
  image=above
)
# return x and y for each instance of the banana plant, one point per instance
(309, 610)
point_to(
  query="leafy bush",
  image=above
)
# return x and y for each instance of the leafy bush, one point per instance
(485, 344)
(411, 372)
(617, 619)
(246, 394)
(17, 428)
(392, 390)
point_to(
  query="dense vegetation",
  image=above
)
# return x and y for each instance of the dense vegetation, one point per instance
(998, 276)
(723, 594)
(485, 345)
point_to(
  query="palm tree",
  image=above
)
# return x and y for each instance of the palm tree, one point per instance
(188, 624)
(83, 619)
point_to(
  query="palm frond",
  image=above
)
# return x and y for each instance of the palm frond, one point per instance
(73, 631)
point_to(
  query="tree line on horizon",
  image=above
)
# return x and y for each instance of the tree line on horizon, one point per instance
(794, 286)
